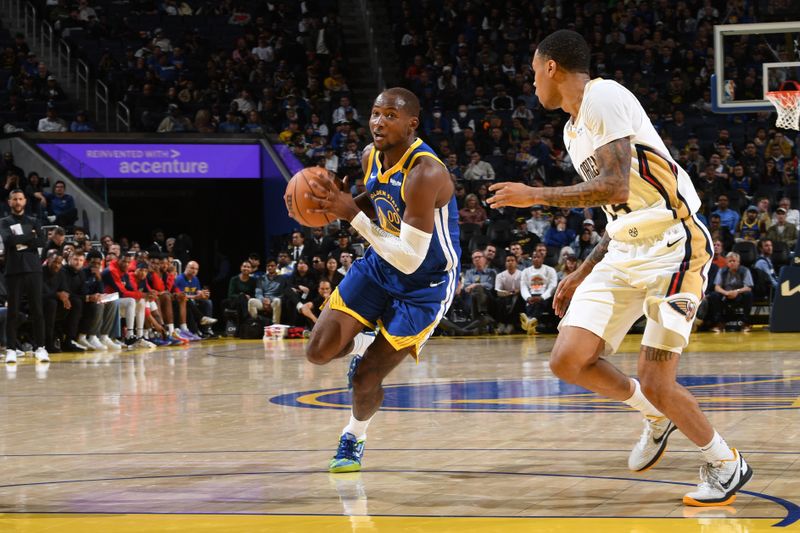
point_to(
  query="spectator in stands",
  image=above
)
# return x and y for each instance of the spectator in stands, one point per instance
(332, 273)
(34, 192)
(507, 287)
(517, 251)
(56, 300)
(55, 242)
(159, 285)
(313, 308)
(299, 248)
(99, 318)
(81, 123)
(270, 289)
(476, 292)
(749, 227)
(718, 231)
(719, 255)
(191, 294)
(764, 262)
(285, 264)
(131, 300)
(472, 212)
(567, 266)
(241, 289)
(51, 123)
(343, 245)
(559, 234)
(345, 110)
(175, 121)
(781, 231)
(537, 287)
(75, 283)
(61, 205)
(732, 286)
(792, 215)
(9, 167)
(345, 262)
(728, 218)
(492, 259)
(478, 171)
(538, 224)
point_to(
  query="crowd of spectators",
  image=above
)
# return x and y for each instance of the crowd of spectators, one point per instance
(278, 68)
(107, 295)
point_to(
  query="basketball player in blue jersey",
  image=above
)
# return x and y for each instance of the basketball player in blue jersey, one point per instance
(407, 278)
(653, 260)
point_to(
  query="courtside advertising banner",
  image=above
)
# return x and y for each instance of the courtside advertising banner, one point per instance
(171, 161)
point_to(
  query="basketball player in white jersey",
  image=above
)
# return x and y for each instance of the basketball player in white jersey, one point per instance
(653, 260)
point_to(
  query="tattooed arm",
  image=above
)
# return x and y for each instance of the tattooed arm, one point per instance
(597, 255)
(610, 187)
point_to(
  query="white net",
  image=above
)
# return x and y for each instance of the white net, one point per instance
(787, 102)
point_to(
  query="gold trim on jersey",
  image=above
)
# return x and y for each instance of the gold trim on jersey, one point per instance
(658, 177)
(383, 177)
(689, 277)
(368, 172)
(411, 165)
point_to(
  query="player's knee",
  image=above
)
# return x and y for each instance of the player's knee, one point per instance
(563, 368)
(320, 349)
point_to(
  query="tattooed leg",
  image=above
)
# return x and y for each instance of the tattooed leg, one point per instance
(657, 374)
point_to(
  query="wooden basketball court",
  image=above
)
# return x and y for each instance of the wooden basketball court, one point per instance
(235, 436)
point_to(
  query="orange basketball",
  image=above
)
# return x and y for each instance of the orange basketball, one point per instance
(296, 202)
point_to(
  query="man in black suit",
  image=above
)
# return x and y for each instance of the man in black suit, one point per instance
(22, 237)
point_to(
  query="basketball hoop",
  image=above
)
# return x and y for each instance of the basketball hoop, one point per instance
(787, 102)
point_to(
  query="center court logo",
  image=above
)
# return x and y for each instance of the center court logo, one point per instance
(715, 393)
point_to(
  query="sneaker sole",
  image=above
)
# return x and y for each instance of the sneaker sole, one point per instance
(344, 469)
(654, 461)
(722, 501)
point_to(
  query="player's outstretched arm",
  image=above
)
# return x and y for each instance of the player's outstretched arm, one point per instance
(611, 186)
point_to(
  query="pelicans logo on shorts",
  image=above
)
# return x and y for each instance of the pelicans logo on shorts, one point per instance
(684, 306)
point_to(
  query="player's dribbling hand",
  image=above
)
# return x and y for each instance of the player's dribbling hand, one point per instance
(332, 199)
(511, 194)
(564, 292)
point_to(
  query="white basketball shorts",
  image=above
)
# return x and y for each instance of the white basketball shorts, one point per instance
(663, 277)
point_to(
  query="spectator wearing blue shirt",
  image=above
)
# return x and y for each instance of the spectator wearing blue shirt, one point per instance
(728, 218)
(764, 262)
(61, 205)
(230, 124)
(558, 234)
(81, 123)
(197, 300)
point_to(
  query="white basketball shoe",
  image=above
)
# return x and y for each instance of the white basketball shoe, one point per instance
(652, 444)
(719, 482)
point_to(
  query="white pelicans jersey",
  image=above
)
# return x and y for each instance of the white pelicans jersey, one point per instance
(661, 192)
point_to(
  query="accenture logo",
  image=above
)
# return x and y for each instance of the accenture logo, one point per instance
(150, 162)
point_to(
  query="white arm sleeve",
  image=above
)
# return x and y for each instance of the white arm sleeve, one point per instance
(406, 252)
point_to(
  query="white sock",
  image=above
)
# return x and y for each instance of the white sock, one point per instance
(717, 450)
(81, 338)
(357, 427)
(361, 342)
(140, 332)
(639, 402)
(170, 328)
(184, 327)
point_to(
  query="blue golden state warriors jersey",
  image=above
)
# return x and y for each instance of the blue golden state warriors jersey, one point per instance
(386, 192)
